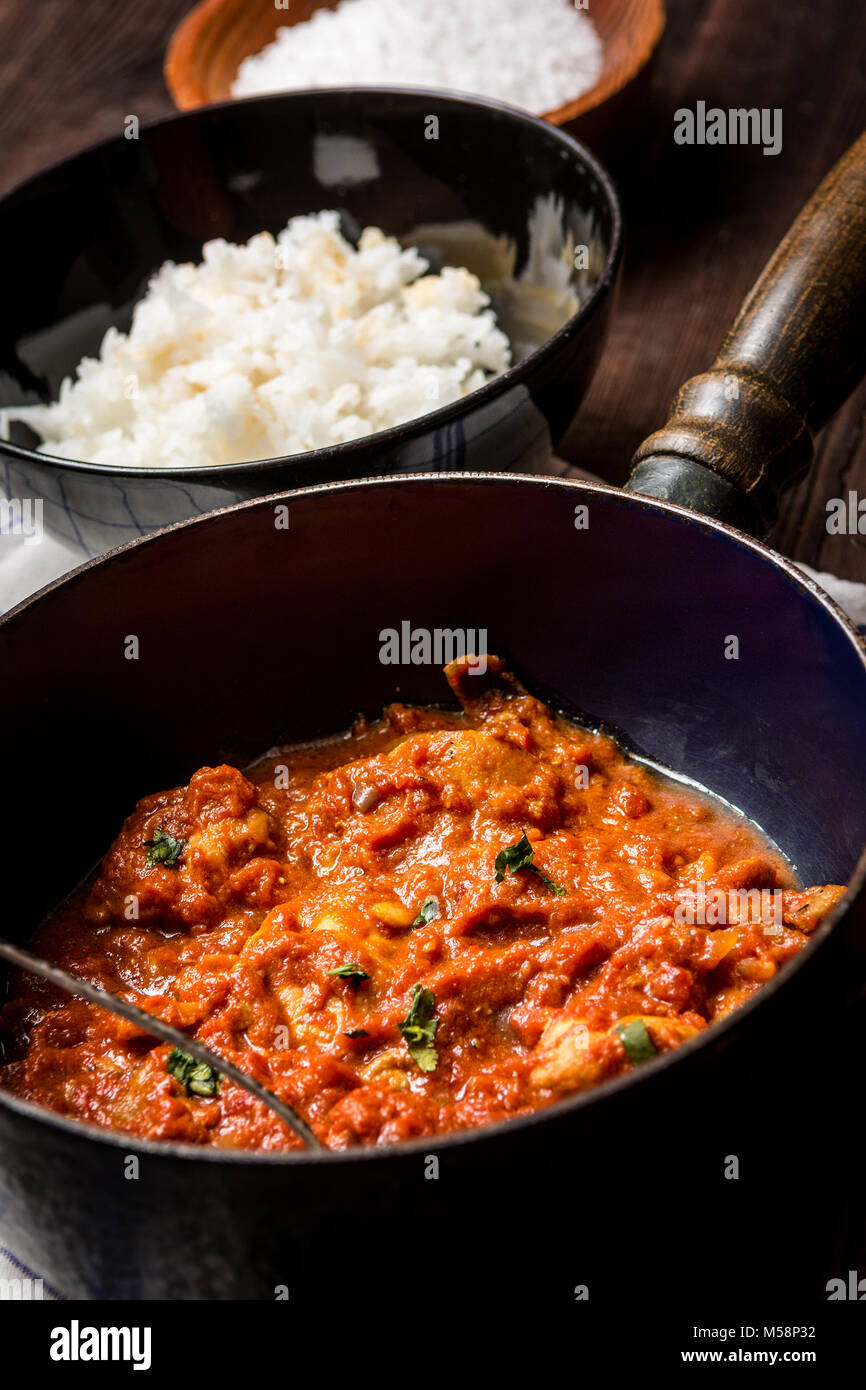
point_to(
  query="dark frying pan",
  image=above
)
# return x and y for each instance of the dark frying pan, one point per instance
(249, 634)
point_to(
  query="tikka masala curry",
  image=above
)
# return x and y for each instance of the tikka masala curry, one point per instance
(441, 921)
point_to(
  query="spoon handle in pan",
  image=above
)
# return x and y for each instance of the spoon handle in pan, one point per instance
(23, 960)
(741, 432)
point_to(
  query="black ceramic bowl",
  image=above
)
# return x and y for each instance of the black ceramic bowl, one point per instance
(81, 240)
(249, 635)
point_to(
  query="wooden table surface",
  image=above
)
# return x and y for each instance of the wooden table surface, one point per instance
(700, 222)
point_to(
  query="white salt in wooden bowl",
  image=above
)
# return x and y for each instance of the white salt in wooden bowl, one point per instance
(209, 46)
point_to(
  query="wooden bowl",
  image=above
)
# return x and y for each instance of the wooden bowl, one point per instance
(209, 46)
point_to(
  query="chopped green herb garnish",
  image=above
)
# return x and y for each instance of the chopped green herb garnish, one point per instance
(164, 849)
(636, 1041)
(429, 912)
(351, 973)
(549, 883)
(514, 857)
(198, 1078)
(419, 1028)
(520, 856)
(357, 1033)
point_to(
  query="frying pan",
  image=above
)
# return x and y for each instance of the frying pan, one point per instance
(251, 633)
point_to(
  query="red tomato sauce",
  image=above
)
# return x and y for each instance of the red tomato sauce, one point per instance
(300, 908)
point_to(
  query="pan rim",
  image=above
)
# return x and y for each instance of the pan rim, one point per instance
(711, 1038)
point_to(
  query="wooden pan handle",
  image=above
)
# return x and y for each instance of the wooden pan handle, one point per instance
(739, 434)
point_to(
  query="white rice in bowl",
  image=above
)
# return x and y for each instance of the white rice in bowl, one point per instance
(275, 348)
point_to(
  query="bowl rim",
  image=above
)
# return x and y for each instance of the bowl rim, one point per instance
(608, 87)
(709, 1040)
(514, 376)
(187, 31)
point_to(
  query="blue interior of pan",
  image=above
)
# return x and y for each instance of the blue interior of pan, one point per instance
(249, 634)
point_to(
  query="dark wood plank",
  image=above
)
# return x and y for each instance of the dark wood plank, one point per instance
(701, 222)
(70, 70)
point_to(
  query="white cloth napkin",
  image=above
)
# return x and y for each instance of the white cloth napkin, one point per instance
(24, 567)
(20, 1284)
